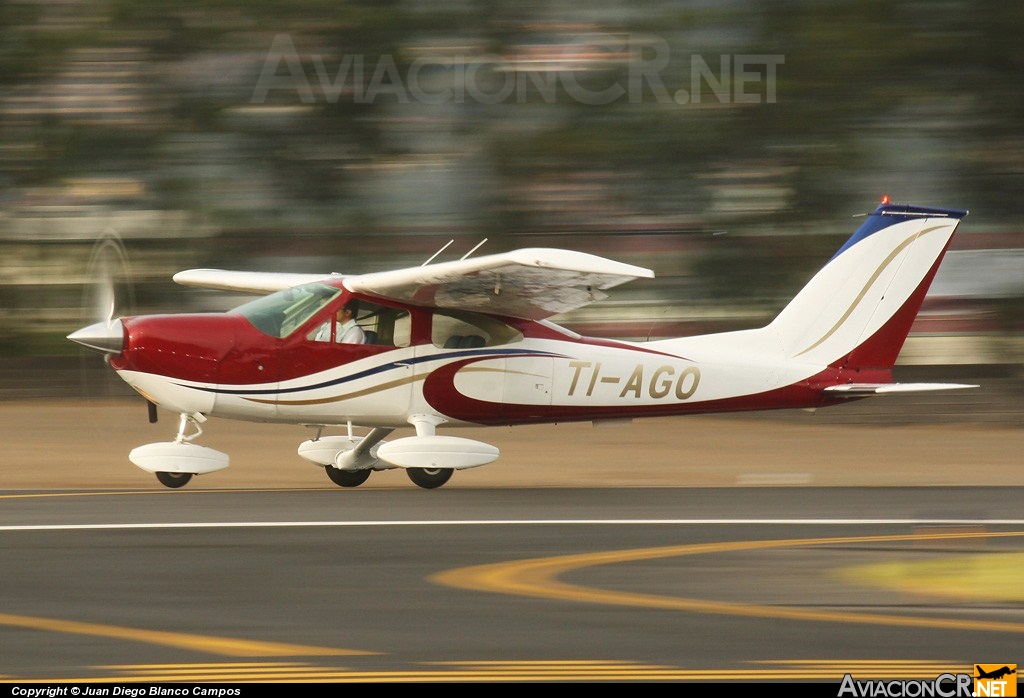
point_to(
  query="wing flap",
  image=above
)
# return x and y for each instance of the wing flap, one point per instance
(533, 283)
(866, 389)
(246, 281)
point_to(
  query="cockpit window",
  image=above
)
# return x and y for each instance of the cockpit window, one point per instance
(281, 313)
(382, 326)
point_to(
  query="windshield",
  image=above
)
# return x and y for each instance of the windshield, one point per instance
(281, 313)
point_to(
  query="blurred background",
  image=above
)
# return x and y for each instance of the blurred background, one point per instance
(726, 145)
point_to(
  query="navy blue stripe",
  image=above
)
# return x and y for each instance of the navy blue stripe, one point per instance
(891, 214)
(377, 369)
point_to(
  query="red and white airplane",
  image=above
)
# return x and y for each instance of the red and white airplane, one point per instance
(468, 343)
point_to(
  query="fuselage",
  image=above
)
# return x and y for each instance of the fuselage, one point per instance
(468, 368)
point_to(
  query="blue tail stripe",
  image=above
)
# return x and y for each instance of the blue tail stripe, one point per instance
(891, 214)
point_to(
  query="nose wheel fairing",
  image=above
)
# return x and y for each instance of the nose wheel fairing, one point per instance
(175, 462)
(178, 457)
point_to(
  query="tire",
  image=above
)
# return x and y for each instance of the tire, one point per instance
(173, 480)
(347, 478)
(429, 478)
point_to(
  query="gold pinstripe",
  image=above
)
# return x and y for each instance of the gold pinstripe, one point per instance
(346, 396)
(870, 282)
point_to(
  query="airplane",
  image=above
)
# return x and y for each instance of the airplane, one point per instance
(470, 343)
(997, 674)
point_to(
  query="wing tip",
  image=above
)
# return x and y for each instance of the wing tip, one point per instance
(247, 281)
(190, 277)
(577, 261)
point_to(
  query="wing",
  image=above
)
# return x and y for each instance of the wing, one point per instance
(247, 281)
(533, 283)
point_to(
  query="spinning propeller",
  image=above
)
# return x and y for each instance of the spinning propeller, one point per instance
(108, 295)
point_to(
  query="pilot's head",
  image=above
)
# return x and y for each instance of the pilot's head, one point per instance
(350, 309)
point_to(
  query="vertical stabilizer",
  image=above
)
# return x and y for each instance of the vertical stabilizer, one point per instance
(857, 311)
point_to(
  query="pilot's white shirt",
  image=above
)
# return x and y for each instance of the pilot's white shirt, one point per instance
(350, 333)
(347, 333)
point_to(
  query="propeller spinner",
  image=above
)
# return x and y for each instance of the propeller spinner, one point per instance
(107, 337)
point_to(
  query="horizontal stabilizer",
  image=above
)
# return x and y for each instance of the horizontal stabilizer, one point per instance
(863, 389)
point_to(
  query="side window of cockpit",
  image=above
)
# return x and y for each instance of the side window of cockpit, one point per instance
(385, 326)
(453, 329)
(381, 325)
(402, 329)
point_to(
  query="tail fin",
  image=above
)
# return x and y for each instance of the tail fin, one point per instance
(857, 311)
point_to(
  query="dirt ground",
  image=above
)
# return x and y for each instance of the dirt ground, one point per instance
(85, 444)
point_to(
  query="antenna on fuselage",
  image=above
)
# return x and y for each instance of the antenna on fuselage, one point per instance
(434, 256)
(481, 244)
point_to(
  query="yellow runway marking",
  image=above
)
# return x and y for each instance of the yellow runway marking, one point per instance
(994, 577)
(525, 670)
(539, 578)
(197, 643)
(50, 495)
(166, 492)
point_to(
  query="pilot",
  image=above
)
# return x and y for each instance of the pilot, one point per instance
(346, 330)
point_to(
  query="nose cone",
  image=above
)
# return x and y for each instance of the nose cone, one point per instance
(107, 337)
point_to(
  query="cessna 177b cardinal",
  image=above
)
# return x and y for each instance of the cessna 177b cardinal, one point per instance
(468, 343)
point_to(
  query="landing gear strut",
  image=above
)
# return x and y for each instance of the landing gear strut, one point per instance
(176, 480)
(353, 460)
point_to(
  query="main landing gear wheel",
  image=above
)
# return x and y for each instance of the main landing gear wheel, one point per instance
(174, 480)
(429, 478)
(347, 478)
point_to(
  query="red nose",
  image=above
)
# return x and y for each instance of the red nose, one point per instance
(189, 347)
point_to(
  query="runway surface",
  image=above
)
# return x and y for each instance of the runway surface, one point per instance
(573, 562)
(516, 585)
